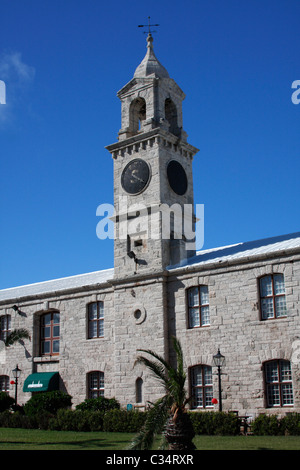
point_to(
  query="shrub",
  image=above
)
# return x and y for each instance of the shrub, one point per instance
(98, 404)
(290, 424)
(123, 420)
(17, 420)
(266, 425)
(215, 423)
(6, 402)
(96, 420)
(42, 419)
(5, 419)
(47, 401)
(77, 420)
(70, 420)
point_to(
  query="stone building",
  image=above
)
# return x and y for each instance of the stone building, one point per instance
(242, 299)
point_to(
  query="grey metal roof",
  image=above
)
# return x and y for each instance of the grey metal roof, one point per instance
(236, 252)
(239, 251)
(56, 285)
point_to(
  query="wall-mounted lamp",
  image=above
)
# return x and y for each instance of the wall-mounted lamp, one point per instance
(132, 255)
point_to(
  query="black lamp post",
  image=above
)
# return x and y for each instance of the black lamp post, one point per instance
(219, 361)
(16, 373)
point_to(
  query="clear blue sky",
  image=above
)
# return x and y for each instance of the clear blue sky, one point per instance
(63, 62)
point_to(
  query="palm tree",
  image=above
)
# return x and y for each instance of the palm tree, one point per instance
(168, 415)
(16, 335)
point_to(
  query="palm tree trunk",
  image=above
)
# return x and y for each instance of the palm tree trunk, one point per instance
(179, 433)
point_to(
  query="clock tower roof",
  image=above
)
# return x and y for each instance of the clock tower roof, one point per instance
(150, 64)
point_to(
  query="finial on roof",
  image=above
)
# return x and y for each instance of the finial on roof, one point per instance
(149, 27)
(150, 64)
(149, 40)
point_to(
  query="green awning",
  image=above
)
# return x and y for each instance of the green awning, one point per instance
(41, 382)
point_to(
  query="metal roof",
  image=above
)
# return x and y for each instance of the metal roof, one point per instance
(57, 285)
(253, 249)
(231, 253)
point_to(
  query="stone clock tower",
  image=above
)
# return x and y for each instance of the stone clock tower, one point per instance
(153, 183)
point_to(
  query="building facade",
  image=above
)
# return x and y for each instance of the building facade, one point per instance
(243, 299)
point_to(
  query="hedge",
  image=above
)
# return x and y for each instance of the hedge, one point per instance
(121, 420)
(215, 423)
(271, 425)
(77, 420)
(6, 402)
(98, 404)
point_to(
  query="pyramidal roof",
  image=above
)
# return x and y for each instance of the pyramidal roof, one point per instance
(150, 64)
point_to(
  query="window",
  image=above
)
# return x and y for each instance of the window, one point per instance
(201, 386)
(139, 390)
(272, 296)
(96, 384)
(96, 320)
(5, 327)
(278, 383)
(4, 383)
(50, 333)
(198, 306)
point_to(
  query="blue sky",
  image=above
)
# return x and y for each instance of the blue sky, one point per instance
(63, 62)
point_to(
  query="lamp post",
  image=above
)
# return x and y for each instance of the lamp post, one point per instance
(219, 361)
(16, 373)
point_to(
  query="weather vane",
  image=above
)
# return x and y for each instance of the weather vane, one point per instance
(148, 26)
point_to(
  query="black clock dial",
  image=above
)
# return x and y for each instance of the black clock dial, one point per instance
(177, 177)
(135, 176)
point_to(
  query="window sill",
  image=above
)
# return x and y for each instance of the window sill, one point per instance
(46, 359)
(274, 318)
(95, 338)
(201, 408)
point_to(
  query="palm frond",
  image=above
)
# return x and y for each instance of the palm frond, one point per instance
(157, 357)
(177, 377)
(179, 356)
(154, 425)
(17, 335)
(157, 369)
(172, 405)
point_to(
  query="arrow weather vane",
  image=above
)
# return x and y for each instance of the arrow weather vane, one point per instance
(148, 26)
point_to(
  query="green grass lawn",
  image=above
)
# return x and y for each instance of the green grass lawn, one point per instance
(34, 439)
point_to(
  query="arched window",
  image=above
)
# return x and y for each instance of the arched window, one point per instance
(49, 327)
(5, 327)
(198, 306)
(201, 386)
(171, 116)
(272, 296)
(278, 383)
(139, 390)
(4, 383)
(137, 114)
(95, 384)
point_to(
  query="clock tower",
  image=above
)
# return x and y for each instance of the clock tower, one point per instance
(153, 181)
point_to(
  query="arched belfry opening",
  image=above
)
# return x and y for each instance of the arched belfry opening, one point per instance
(171, 116)
(137, 114)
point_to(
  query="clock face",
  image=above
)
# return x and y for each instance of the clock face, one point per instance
(177, 177)
(135, 176)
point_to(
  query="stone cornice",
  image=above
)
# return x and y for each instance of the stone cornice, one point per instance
(144, 137)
